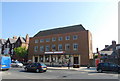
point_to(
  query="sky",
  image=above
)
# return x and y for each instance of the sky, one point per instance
(100, 18)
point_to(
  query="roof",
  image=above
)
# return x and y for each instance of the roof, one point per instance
(2, 41)
(74, 28)
(12, 40)
(106, 52)
(109, 47)
(22, 39)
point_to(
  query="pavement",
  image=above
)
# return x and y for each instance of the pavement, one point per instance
(76, 69)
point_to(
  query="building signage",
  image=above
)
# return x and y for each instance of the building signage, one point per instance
(55, 52)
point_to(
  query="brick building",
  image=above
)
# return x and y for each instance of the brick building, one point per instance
(62, 45)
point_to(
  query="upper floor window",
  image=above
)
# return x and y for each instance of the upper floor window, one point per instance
(41, 48)
(53, 39)
(47, 48)
(53, 47)
(60, 47)
(75, 46)
(35, 48)
(67, 38)
(41, 40)
(36, 40)
(60, 38)
(48, 40)
(67, 46)
(75, 37)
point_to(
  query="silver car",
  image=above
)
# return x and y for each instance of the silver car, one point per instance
(16, 64)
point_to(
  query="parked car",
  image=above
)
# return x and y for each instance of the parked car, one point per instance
(108, 67)
(37, 67)
(16, 64)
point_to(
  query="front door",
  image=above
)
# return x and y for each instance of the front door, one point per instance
(36, 59)
(76, 60)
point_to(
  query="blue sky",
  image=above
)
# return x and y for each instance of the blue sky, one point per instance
(21, 18)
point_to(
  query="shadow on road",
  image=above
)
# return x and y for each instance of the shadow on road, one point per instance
(107, 72)
(63, 69)
(29, 71)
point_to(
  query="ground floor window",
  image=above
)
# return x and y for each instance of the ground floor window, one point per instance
(36, 59)
(58, 59)
(41, 58)
(53, 58)
(46, 58)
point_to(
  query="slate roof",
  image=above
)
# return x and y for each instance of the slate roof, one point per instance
(12, 40)
(109, 47)
(61, 30)
(2, 41)
(22, 39)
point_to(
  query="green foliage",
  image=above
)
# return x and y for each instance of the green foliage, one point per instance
(96, 56)
(20, 51)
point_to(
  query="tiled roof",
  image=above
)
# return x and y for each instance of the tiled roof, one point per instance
(75, 28)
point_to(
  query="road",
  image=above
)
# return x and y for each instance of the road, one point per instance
(19, 73)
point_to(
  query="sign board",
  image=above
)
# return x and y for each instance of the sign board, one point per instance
(55, 52)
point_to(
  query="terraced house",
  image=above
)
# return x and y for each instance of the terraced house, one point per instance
(60, 46)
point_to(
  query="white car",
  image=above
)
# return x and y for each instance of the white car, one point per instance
(16, 64)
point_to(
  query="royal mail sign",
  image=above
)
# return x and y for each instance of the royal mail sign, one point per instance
(55, 52)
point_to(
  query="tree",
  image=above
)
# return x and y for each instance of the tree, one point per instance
(21, 51)
(96, 56)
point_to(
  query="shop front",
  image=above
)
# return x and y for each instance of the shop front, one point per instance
(58, 59)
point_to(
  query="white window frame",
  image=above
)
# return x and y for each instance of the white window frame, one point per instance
(48, 40)
(66, 47)
(76, 37)
(54, 39)
(41, 40)
(36, 40)
(59, 47)
(74, 46)
(52, 47)
(46, 47)
(67, 38)
(41, 47)
(60, 38)
(35, 48)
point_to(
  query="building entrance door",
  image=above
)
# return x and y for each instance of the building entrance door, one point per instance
(76, 60)
(36, 59)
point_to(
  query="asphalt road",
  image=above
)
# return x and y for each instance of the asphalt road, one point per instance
(19, 73)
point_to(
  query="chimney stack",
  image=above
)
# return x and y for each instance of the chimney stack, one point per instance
(106, 46)
(114, 45)
(15, 37)
(27, 39)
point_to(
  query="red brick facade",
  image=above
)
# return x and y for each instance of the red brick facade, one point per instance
(83, 52)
